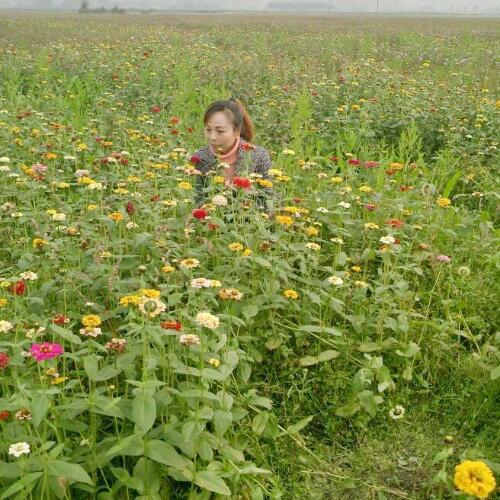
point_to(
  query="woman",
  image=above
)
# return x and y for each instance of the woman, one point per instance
(227, 130)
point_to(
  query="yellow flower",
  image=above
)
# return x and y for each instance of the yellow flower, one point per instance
(418, 228)
(284, 178)
(59, 380)
(291, 294)
(3, 302)
(62, 185)
(167, 269)
(292, 210)
(150, 292)
(474, 478)
(336, 180)
(189, 263)
(264, 183)
(235, 247)
(275, 172)
(371, 225)
(129, 299)
(361, 284)
(133, 178)
(289, 152)
(81, 146)
(247, 252)
(406, 212)
(366, 189)
(355, 107)
(91, 321)
(396, 166)
(118, 190)
(214, 362)
(443, 202)
(311, 231)
(356, 269)
(185, 185)
(282, 219)
(85, 180)
(219, 179)
(106, 253)
(39, 242)
(116, 216)
(91, 207)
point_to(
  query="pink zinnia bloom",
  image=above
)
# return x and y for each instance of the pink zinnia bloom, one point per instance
(4, 360)
(369, 206)
(46, 351)
(443, 258)
(371, 164)
(354, 162)
(38, 167)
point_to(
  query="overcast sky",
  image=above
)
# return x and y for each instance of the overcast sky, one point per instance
(342, 5)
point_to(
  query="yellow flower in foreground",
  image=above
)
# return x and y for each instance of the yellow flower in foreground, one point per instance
(91, 207)
(396, 166)
(336, 180)
(91, 321)
(214, 362)
(167, 269)
(247, 252)
(474, 478)
(185, 185)
(150, 292)
(116, 216)
(291, 294)
(189, 263)
(3, 302)
(39, 242)
(366, 189)
(282, 219)
(371, 225)
(219, 179)
(235, 247)
(129, 299)
(443, 202)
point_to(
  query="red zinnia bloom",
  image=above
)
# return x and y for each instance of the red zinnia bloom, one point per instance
(353, 162)
(369, 206)
(241, 182)
(60, 319)
(297, 200)
(124, 161)
(199, 213)
(97, 139)
(104, 160)
(155, 197)
(334, 158)
(130, 208)
(394, 222)
(247, 146)
(389, 172)
(4, 360)
(371, 164)
(189, 130)
(4, 415)
(404, 188)
(314, 93)
(45, 351)
(195, 159)
(174, 120)
(155, 109)
(397, 241)
(174, 131)
(211, 225)
(171, 325)
(341, 79)
(17, 288)
(133, 104)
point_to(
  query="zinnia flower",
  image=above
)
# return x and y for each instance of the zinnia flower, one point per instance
(151, 306)
(443, 202)
(91, 320)
(443, 258)
(199, 214)
(335, 280)
(5, 326)
(397, 412)
(17, 288)
(4, 361)
(45, 351)
(240, 182)
(189, 339)
(474, 478)
(171, 325)
(189, 263)
(207, 320)
(19, 449)
(291, 294)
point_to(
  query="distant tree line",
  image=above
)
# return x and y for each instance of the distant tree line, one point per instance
(85, 9)
(314, 6)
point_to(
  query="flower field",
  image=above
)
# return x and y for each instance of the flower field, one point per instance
(343, 345)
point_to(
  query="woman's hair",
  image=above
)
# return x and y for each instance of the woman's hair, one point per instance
(239, 115)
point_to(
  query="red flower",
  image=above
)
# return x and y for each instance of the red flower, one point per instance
(353, 162)
(397, 241)
(17, 288)
(247, 146)
(285, 87)
(130, 208)
(297, 200)
(334, 158)
(4, 415)
(116, 155)
(4, 360)
(174, 120)
(104, 160)
(155, 109)
(171, 325)
(404, 188)
(174, 131)
(211, 225)
(195, 159)
(155, 197)
(189, 130)
(241, 182)
(369, 206)
(371, 164)
(314, 94)
(199, 213)
(389, 172)
(133, 104)
(124, 161)
(97, 139)
(394, 222)
(60, 319)
(341, 79)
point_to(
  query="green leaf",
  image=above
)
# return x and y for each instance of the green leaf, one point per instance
(66, 334)
(21, 484)
(222, 421)
(327, 355)
(144, 412)
(210, 481)
(495, 373)
(105, 373)
(439, 457)
(263, 262)
(39, 408)
(367, 399)
(320, 329)
(259, 422)
(68, 470)
(451, 183)
(293, 429)
(250, 311)
(308, 361)
(91, 365)
(164, 453)
(273, 343)
(10, 470)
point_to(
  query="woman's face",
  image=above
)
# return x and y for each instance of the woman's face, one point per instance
(220, 132)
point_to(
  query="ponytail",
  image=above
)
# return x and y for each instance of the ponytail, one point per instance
(246, 122)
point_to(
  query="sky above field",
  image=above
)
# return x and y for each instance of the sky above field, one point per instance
(456, 6)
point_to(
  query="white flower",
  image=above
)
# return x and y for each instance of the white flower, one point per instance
(313, 246)
(82, 173)
(18, 449)
(13, 175)
(323, 210)
(16, 214)
(69, 157)
(207, 320)
(8, 206)
(200, 283)
(90, 332)
(340, 241)
(59, 216)
(344, 204)
(5, 159)
(131, 225)
(4, 168)
(151, 306)
(85, 442)
(189, 339)
(335, 280)
(397, 412)
(387, 239)
(95, 185)
(219, 200)
(5, 326)
(322, 175)
(29, 275)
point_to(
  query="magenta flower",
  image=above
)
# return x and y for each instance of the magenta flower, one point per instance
(443, 258)
(46, 351)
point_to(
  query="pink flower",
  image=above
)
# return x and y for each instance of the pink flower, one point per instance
(370, 207)
(371, 164)
(354, 162)
(443, 258)
(195, 159)
(4, 360)
(155, 109)
(38, 167)
(45, 351)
